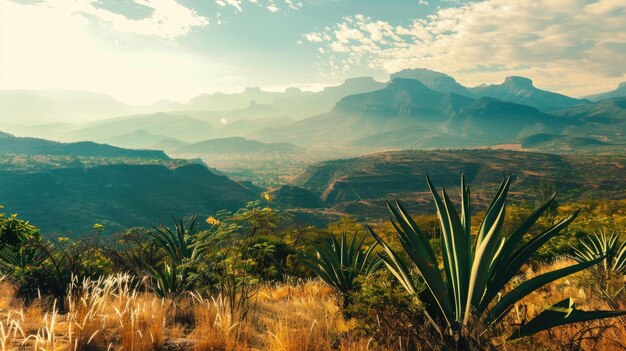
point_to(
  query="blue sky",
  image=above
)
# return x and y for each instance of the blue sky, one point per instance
(141, 51)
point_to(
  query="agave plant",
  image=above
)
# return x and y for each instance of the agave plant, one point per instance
(339, 263)
(168, 280)
(599, 244)
(476, 271)
(179, 244)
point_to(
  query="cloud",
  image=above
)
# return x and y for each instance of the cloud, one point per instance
(168, 18)
(45, 47)
(270, 5)
(573, 41)
(234, 3)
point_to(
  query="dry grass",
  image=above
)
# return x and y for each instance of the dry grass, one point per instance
(109, 314)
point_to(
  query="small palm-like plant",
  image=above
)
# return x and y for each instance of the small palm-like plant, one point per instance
(339, 263)
(599, 244)
(167, 280)
(476, 271)
(181, 243)
(181, 246)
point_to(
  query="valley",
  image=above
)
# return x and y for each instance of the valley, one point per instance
(342, 151)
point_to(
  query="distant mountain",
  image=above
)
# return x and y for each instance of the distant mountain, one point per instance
(406, 113)
(495, 120)
(234, 145)
(437, 81)
(179, 127)
(225, 102)
(608, 111)
(619, 92)
(604, 120)
(416, 138)
(71, 200)
(250, 127)
(402, 103)
(324, 101)
(36, 107)
(44, 106)
(44, 131)
(521, 90)
(140, 139)
(33, 146)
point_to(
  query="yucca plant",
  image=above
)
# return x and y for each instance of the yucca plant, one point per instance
(180, 243)
(599, 244)
(168, 281)
(614, 263)
(475, 271)
(339, 263)
(181, 246)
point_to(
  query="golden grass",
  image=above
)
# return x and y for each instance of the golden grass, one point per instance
(109, 314)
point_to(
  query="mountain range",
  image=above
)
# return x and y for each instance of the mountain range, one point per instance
(619, 92)
(68, 187)
(10, 144)
(408, 113)
(417, 108)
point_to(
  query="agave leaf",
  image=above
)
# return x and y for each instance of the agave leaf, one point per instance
(517, 260)
(501, 307)
(516, 236)
(483, 259)
(449, 258)
(561, 313)
(460, 249)
(409, 226)
(339, 263)
(432, 277)
(619, 265)
(493, 210)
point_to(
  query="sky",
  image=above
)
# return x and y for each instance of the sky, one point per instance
(142, 51)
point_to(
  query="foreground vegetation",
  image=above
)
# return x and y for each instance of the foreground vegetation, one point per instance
(246, 281)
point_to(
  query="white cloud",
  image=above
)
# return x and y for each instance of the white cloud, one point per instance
(314, 37)
(573, 42)
(270, 5)
(168, 19)
(47, 47)
(234, 3)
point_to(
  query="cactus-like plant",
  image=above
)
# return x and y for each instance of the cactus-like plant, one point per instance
(339, 263)
(599, 244)
(476, 272)
(181, 246)
(181, 243)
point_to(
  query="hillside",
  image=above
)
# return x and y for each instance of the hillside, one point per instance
(33, 146)
(437, 81)
(521, 90)
(234, 145)
(560, 143)
(501, 121)
(71, 200)
(382, 118)
(604, 120)
(162, 124)
(359, 186)
(620, 91)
